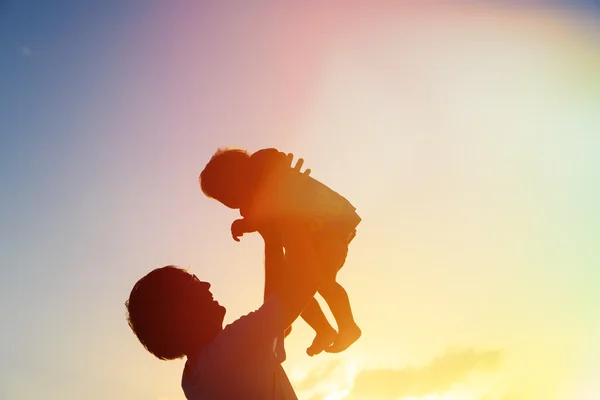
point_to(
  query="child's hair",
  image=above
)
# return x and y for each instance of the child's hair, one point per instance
(155, 311)
(223, 167)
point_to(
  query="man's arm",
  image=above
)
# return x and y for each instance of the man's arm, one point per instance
(289, 291)
(301, 276)
(273, 261)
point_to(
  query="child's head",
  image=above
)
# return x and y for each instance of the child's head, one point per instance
(173, 313)
(224, 178)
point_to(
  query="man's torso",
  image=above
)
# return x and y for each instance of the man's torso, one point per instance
(241, 362)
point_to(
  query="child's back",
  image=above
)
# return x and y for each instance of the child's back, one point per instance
(285, 192)
(325, 209)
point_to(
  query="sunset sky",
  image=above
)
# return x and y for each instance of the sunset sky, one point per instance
(466, 133)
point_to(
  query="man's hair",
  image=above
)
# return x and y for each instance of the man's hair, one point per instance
(214, 179)
(155, 312)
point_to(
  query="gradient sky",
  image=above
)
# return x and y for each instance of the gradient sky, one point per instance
(466, 133)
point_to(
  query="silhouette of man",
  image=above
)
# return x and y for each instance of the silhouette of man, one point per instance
(173, 314)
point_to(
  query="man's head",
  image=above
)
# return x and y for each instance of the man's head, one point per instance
(225, 177)
(173, 313)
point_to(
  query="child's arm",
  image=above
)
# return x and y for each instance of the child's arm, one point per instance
(275, 159)
(243, 225)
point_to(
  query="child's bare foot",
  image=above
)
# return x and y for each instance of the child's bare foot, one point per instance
(345, 339)
(321, 342)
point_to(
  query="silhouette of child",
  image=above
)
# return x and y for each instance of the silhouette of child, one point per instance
(269, 192)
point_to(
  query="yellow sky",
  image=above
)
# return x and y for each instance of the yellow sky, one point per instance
(458, 250)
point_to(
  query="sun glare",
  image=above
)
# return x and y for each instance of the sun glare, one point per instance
(338, 385)
(450, 395)
(435, 397)
(338, 395)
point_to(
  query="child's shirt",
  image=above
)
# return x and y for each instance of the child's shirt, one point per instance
(282, 192)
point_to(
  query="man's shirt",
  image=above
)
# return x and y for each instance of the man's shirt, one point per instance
(242, 361)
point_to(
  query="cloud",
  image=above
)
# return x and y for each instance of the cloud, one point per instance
(319, 374)
(25, 51)
(438, 376)
(505, 397)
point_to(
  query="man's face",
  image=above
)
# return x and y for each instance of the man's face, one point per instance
(204, 300)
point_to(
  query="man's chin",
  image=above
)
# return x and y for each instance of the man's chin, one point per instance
(222, 311)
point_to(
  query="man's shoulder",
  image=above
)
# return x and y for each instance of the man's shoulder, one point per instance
(252, 333)
(250, 344)
(271, 312)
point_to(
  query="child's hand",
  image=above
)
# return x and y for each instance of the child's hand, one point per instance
(241, 226)
(238, 228)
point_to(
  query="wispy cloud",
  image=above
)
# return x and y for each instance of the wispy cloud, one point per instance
(25, 51)
(318, 375)
(505, 397)
(438, 376)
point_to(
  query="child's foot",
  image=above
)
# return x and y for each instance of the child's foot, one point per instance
(345, 339)
(322, 341)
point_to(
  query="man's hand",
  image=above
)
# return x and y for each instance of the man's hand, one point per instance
(239, 227)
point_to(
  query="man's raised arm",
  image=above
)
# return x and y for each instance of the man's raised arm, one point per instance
(301, 276)
(273, 261)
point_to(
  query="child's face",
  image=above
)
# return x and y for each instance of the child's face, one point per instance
(235, 193)
(231, 201)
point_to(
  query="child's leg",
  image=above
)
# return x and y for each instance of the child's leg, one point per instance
(333, 251)
(325, 334)
(339, 303)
